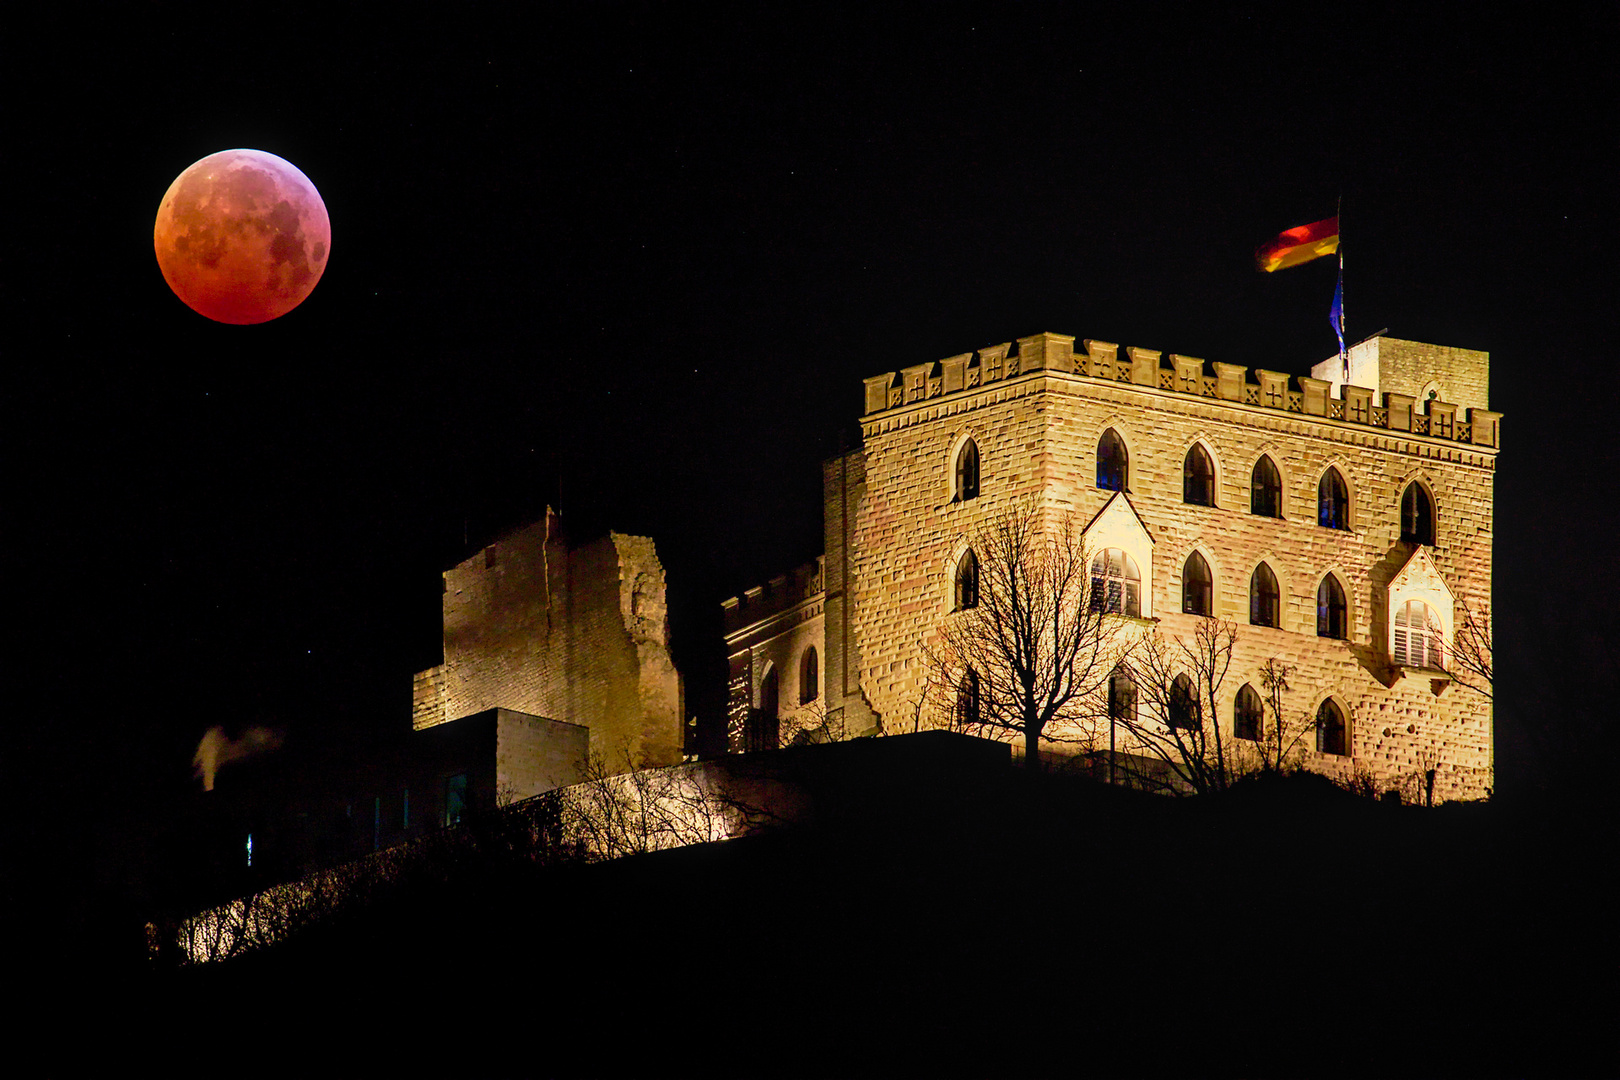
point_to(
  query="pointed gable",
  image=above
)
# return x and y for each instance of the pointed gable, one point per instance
(1420, 579)
(1117, 517)
(1118, 525)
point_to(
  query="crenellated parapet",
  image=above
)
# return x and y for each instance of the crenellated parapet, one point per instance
(1147, 369)
(777, 595)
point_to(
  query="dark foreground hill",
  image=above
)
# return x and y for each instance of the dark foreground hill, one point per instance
(990, 924)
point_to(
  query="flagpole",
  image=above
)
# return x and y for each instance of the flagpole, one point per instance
(1344, 349)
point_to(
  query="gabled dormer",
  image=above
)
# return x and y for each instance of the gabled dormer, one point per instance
(1118, 528)
(1419, 616)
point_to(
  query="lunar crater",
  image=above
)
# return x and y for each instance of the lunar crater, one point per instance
(242, 236)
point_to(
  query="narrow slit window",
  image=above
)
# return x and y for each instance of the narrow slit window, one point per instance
(1113, 462)
(1265, 600)
(1331, 736)
(1197, 586)
(1330, 609)
(967, 471)
(1198, 478)
(1417, 515)
(1265, 490)
(967, 581)
(1332, 501)
(1247, 714)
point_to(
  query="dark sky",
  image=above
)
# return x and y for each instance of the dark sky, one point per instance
(636, 260)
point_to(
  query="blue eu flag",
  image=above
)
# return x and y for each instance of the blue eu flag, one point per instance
(1336, 312)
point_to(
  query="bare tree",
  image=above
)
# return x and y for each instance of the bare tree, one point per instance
(617, 811)
(1283, 731)
(810, 724)
(1031, 652)
(1174, 723)
(1472, 655)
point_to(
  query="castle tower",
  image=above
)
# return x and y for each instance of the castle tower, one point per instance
(576, 632)
(1344, 527)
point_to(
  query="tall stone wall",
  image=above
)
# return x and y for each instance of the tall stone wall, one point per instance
(1037, 424)
(577, 634)
(843, 482)
(770, 629)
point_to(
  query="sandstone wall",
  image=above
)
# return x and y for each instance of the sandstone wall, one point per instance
(1037, 432)
(577, 634)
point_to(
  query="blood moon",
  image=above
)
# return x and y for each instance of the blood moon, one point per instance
(242, 236)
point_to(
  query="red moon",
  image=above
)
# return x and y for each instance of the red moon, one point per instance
(242, 236)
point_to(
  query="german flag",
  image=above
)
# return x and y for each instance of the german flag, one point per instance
(1299, 245)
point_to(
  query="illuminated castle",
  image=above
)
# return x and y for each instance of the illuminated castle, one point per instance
(1343, 524)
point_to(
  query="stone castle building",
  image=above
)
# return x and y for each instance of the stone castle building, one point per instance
(1343, 524)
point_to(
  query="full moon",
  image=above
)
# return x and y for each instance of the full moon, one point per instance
(242, 236)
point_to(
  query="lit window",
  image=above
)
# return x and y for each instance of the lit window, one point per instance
(1264, 597)
(1419, 641)
(967, 471)
(967, 581)
(1113, 463)
(1247, 714)
(1184, 707)
(1116, 586)
(1330, 609)
(1331, 736)
(1417, 515)
(1198, 478)
(1265, 490)
(809, 676)
(1197, 590)
(1332, 501)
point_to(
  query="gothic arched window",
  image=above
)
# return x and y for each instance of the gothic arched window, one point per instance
(1331, 736)
(809, 676)
(1330, 609)
(967, 581)
(1198, 478)
(1197, 588)
(1121, 696)
(764, 727)
(1184, 708)
(1417, 515)
(1113, 462)
(1116, 585)
(1248, 716)
(1264, 597)
(1332, 501)
(1419, 640)
(1265, 490)
(967, 471)
(967, 700)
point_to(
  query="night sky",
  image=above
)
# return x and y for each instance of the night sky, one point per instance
(635, 261)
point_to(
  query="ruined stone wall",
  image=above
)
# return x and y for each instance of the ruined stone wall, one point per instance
(1037, 431)
(577, 634)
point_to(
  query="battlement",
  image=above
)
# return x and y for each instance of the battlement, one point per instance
(777, 595)
(1147, 369)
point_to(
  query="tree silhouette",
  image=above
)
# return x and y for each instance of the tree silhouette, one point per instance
(1030, 657)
